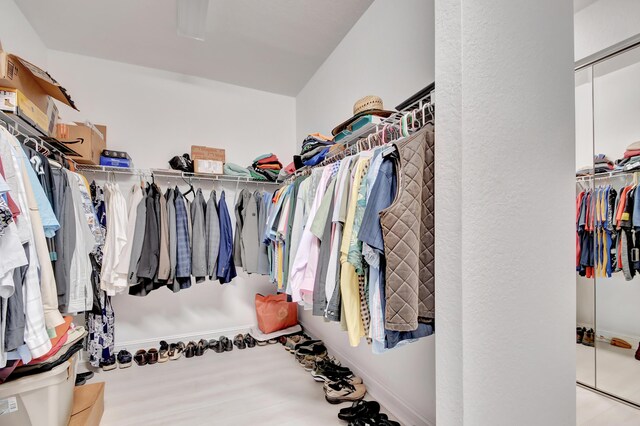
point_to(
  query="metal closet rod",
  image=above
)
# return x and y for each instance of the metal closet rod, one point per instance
(159, 173)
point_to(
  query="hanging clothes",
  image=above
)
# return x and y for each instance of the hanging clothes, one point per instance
(212, 235)
(226, 267)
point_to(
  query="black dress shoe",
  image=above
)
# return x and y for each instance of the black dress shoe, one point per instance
(216, 345)
(190, 350)
(202, 347)
(239, 341)
(226, 343)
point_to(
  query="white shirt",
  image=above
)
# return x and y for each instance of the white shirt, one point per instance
(80, 289)
(112, 281)
(135, 197)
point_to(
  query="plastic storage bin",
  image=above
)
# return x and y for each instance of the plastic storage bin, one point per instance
(44, 399)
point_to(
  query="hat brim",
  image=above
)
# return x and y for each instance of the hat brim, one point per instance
(345, 124)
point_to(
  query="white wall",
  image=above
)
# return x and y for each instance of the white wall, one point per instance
(389, 53)
(603, 24)
(155, 115)
(18, 36)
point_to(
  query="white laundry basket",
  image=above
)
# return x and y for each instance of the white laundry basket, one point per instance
(43, 399)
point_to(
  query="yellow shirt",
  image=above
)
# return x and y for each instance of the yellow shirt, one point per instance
(349, 288)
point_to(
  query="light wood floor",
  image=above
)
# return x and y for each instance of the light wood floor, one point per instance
(593, 409)
(257, 386)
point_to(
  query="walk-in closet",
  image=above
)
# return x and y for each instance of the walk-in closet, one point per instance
(305, 212)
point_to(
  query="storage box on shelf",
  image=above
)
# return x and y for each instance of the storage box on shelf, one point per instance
(207, 160)
(28, 91)
(87, 140)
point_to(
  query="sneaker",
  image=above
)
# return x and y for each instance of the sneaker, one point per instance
(124, 359)
(316, 349)
(108, 364)
(343, 391)
(580, 334)
(238, 341)
(354, 380)
(292, 341)
(322, 374)
(360, 409)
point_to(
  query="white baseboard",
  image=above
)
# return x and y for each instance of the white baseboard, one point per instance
(133, 345)
(404, 413)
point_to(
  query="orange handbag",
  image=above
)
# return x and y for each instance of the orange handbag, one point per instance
(275, 313)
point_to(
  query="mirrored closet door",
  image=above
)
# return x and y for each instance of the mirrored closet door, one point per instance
(607, 217)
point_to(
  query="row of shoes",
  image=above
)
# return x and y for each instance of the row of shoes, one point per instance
(585, 337)
(339, 383)
(174, 351)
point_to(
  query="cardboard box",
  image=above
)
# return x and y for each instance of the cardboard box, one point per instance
(15, 102)
(34, 83)
(212, 167)
(88, 405)
(207, 153)
(91, 141)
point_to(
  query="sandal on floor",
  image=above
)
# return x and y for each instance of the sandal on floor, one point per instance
(249, 341)
(152, 356)
(190, 350)
(141, 357)
(261, 342)
(238, 341)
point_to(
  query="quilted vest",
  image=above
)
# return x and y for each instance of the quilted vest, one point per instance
(408, 233)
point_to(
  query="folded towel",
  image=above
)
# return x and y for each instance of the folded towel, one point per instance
(233, 169)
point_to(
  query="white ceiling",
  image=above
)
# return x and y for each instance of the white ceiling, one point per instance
(272, 45)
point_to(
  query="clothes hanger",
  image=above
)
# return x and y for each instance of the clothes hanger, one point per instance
(190, 191)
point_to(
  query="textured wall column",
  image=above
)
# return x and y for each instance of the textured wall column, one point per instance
(504, 213)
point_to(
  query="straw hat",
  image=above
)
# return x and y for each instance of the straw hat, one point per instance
(369, 105)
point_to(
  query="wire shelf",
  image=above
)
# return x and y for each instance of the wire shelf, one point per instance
(172, 174)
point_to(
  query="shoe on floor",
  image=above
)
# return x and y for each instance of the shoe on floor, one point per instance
(580, 334)
(87, 375)
(226, 343)
(344, 392)
(124, 359)
(80, 381)
(238, 341)
(108, 364)
(292, 341)
(637, 356)
(262, 342)
(249, 341)
(216, 345)
(202, 347)
(589, 338)
(175, 351)
(141, 357)
(163, 352)
(190, 350)
(360, 409)
(355, 380)
(152, 356)
(621, 343)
